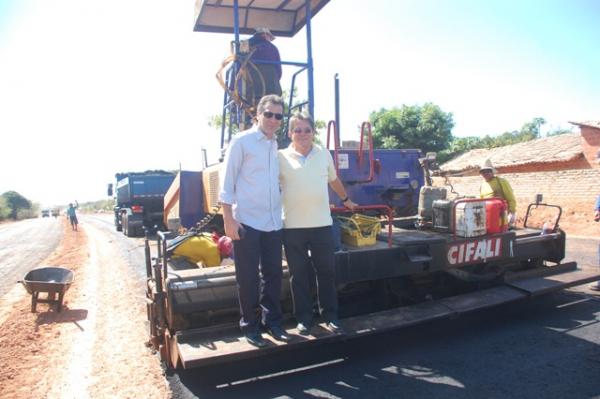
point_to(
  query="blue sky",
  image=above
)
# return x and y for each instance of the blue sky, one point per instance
(90, 88)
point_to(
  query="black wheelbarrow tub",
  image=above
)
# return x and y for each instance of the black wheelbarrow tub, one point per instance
(52, 280)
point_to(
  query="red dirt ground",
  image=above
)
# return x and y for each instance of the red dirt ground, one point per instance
(87, 350)
(577, 219)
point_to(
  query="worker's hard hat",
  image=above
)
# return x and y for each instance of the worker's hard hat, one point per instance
(487, 165)
(266, 31)
(225, 246)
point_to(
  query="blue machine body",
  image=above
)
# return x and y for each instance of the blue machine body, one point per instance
(191, 198)
(397, 178)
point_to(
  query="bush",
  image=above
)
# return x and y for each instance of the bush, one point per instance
(4, 209)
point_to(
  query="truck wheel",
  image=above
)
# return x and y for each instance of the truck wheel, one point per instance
(130, 232)
(118, 226)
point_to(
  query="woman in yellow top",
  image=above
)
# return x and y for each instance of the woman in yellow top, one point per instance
(498, 187)
(306, 170)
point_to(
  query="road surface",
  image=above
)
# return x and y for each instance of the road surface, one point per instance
(23, 245)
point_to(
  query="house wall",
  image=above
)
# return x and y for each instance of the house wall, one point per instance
(590, 143)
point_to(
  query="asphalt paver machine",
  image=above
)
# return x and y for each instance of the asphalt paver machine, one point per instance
(456, 257)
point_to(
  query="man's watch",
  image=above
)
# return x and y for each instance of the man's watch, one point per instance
(345, 199)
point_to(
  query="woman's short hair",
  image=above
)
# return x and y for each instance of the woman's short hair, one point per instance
(302, 116)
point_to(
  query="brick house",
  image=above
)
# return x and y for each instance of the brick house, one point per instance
(563, 152)
(590, 141)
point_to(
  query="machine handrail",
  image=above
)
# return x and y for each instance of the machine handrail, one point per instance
(335, 144)
(369, 207)
(371, 153)
(555, 225)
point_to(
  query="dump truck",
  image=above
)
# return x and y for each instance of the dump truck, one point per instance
(453, 257)
(139, 200)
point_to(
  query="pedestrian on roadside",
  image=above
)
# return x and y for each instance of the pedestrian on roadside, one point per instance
(306, 170)
(72, 215)
(251, 202)
(498, 187)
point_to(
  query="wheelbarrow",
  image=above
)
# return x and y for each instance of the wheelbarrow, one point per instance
(55, 281)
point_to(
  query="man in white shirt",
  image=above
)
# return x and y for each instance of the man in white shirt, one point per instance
(306, 170)
(251, 202)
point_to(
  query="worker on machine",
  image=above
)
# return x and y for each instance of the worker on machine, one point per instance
(262, 49)
(497, 187)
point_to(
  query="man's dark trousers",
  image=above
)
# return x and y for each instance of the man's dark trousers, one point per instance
(258, 273)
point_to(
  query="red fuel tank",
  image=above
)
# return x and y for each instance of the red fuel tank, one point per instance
(495, 212)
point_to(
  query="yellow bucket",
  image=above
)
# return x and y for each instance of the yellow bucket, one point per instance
(359, 230)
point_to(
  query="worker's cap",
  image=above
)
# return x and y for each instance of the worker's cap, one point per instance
(487, 165)
(225, 246)
(266, 31)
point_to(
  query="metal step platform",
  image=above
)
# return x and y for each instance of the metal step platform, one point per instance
(197, 348)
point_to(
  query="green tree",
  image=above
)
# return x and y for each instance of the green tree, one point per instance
(4, 209)
(16, 202)
(216, 121)
(557, 131)
(99, 205)
(426, 127)
(529, 131)
(459, 145)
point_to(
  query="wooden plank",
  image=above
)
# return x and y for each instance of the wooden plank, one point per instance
(540, 271)
(200, 349)
(394, 318)
(544, 285)
(197, 350)
(483, 299)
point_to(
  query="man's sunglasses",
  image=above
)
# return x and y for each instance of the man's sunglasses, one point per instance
(269, 115)
(299, 130)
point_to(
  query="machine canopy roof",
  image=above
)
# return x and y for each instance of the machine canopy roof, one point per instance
(282, 17)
